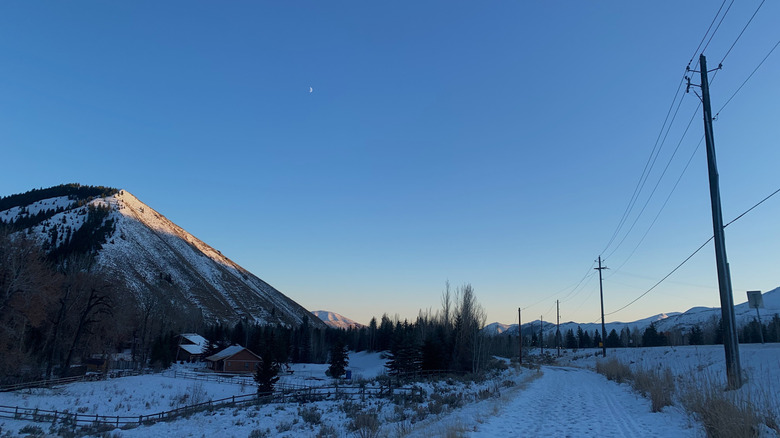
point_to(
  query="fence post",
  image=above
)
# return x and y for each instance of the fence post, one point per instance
(117, 421)
(140, 419)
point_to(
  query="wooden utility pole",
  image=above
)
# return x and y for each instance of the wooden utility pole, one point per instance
(558, 327)
(520, 335)
(730, 340)
(603, 326)
(541, 326)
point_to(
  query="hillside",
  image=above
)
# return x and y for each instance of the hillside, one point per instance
(147, 253)
(664, 322)
(335, 320)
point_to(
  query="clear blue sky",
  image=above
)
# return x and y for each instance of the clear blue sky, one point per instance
(495, 143)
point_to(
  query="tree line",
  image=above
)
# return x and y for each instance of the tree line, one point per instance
(55, 312)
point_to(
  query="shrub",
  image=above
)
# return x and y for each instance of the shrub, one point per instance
(327, 431)
(723, 413)
(366, 425)
(658, 386)
(614, 370)
(31, 430)
(260, 433)
(310, 415)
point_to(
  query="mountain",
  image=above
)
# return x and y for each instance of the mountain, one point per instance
(147, 253)
(335, 320)
(664, 322)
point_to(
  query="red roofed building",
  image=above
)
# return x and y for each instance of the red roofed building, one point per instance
(234, 359)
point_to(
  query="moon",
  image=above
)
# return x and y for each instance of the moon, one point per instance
(311, 89)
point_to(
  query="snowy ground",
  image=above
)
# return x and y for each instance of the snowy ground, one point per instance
(567, 399)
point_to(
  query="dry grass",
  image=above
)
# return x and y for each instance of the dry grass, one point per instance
(746, 412)
(615, 370)
(732, 414)
(719, 412)
(658, 386)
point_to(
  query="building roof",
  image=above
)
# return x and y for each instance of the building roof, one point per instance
(228, 352)
(194, 338)
(192, 348)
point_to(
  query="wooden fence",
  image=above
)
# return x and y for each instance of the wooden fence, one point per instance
(218, 378)
(284, 394)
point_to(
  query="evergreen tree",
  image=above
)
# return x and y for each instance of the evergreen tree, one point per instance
(303, 345)
(719, 332)
(613, 340)
(405, 355)
(596, 339)
(773, 329)
(239, 335)
(696, 337)
(571, 340)
(267, 371)
(585, 340)
(338, 359)
(384, 336)
(651, 337)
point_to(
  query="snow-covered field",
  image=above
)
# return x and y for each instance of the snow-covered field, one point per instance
(564, 399)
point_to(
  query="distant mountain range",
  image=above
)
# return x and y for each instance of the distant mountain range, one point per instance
(147, 253)
(335, 320)
(663, 321)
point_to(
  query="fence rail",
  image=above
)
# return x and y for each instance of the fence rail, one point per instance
(89, 377)
(282, 395)
(218, 378)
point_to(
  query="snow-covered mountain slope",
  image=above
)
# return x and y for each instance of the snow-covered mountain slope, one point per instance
(664, 322)
(335, 320)
(496, 328)
(149, 254)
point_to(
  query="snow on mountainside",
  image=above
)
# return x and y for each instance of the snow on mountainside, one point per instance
(335, 320)
(151, 255)
(663, 322)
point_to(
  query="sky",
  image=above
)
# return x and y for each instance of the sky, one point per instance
(359, 155)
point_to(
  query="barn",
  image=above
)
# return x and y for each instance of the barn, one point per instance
(234, 359)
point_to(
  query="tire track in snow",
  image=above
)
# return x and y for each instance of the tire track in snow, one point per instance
(571, 402)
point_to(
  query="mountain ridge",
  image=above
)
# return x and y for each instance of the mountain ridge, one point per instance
(150, 254)
(335, 320)
(664, 322)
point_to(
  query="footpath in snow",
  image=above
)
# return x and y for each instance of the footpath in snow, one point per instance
(571, 402)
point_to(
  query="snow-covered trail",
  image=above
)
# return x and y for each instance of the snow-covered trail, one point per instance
(571, 402)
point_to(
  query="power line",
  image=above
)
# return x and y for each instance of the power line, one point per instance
(573, 287)
(662, 207)
(743, 30)
(647, 168)
(658, 146)
(748, 78)
(663, 173)
(696, 52)
(718, 27)
(692, 254)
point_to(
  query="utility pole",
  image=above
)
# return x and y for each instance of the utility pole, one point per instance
(520, 335)
(730, 340)
(558, 327)
(541, 327)
(603, 326)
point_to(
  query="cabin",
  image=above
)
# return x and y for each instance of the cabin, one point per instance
(234, 359)
(191, 347)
